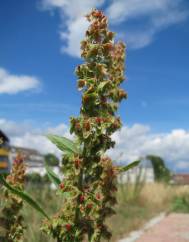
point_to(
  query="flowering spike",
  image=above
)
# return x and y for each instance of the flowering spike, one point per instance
(11, 217)
(91, 173)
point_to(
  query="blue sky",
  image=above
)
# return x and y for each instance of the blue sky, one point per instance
(39, 42)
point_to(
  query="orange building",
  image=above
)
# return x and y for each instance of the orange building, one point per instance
(4, 153)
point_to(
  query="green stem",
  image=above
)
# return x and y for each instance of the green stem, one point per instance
(59, 240)
(80, 188)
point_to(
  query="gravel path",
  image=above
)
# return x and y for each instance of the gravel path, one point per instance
(171, 228)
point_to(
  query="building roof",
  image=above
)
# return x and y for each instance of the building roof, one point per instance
(5, 138)
(25, 150)
(182, 179)
(33, 158)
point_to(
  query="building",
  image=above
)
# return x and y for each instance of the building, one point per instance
(4, 140)
(180, 179)
(143, 173)
(34, 160)
(4, 153)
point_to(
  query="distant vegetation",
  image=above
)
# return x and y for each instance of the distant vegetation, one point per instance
(52, 160)
(161, 172)
(36, 178)
(181, 203)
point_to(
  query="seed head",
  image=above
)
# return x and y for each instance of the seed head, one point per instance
(62, 186)
(68, 227)
(81, 198)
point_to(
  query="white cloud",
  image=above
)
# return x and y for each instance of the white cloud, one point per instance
(138, 141)
(14, 129)
(35, 141)
(131, 142)
(76, 31)
(182, 165)
(139, 39)
(121, 10)
(73, 24)
(155, 15)
(12, 84)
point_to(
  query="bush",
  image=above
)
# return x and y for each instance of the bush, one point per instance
(34, 178)
(161, 172)
(180, 204)
(51, 160)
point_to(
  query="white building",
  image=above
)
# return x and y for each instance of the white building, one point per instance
(33, 159)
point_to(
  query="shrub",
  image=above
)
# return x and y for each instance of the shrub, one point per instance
(36, 179)
(33, 178)
(51, 160)
(181, 203)
(161, 172)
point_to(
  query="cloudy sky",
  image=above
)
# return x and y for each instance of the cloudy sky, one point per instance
(39, 49)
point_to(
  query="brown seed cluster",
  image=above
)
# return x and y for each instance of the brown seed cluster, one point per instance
(10, 214)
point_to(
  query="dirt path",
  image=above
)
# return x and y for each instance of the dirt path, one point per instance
(173, 228)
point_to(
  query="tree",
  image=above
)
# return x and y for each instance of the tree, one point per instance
(51, 160)
(161, 172)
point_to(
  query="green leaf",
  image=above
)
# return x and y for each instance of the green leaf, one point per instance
(52, 176)
(23, 196)
(64, 144)
(102, 85)
(130, 166)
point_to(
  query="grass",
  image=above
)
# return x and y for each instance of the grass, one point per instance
(180, 203)
(135, 207)
(48, 200)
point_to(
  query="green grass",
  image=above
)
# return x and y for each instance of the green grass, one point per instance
(50, 202)
(180, 204)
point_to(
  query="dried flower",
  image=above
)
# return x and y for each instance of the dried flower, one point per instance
(89, 206)
(98, 196)
(86, 125)
(62, 186)
(10, 214)
(81, 198)
(98, 120)
(77, 162)
(81, 83)
(68, 227)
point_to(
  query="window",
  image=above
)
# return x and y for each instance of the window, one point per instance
(4, 162)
